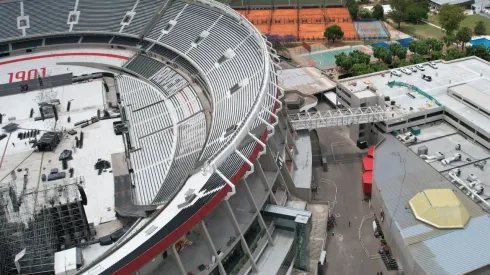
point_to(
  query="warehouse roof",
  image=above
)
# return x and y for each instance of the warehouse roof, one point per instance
(403, 175)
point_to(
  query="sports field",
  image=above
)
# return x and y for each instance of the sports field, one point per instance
(282, 3)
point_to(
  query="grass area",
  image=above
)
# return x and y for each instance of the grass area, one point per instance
(420, 31)
(469, 21)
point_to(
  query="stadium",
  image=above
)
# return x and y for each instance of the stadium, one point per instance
(139, 139)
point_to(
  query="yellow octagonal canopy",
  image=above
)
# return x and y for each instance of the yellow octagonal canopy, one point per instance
(440, 208)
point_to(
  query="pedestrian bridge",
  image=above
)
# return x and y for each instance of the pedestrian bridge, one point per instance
(341, 117)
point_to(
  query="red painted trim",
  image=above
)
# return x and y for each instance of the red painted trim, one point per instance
(64, 54)
(163, 244)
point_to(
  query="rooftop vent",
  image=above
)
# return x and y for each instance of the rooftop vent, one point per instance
(200, 38)
(169, 26)
(227, 55)
(239, 86)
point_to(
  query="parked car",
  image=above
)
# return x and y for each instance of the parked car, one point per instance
(396, 72)
(406, 71)
(433, 65)
(420, 67)
(427, 78)
(413, 69)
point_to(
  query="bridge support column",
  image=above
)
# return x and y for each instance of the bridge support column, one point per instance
(238, 231)
(213, 248)
(259, 215)
(263, 178)
(176, 256)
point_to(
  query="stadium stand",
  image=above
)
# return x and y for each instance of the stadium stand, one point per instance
(94, 15)
(9, 13)
(165, 133)
(50, 18)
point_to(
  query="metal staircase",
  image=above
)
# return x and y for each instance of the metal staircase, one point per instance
(314, 120)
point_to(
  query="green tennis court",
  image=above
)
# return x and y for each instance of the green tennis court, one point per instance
(326, 59)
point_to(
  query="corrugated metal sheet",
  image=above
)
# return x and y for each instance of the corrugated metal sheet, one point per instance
(399, 174)
(458, 252)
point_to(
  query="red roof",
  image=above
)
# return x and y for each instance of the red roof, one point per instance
(371, 152)
(367, 164)
(367, 177)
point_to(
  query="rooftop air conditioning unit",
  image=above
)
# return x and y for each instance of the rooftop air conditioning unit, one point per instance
(454, 158)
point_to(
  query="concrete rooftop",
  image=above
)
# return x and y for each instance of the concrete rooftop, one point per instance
(473, 71)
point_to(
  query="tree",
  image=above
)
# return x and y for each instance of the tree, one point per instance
(364, 13)
(275, 40)
(413, 45)
(343, 61)
(289, 38)
(383, 54)
(450, 16)
(478, 50)
(436, 55)
(378, 12)
(416, 59)
(398, 10)
(398, 51)
(416, 14)
(434, 44)
(449, 39)
(333, 33)
(347, 62)
(360, 69)
(480, 28)
(353, 7)
(454, 53)
(464, 35)
(378, 67)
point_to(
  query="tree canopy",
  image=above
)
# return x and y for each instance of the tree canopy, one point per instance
(450, 17)
(333, 33)
(398, 10)
(353, 7)
(416, 14)
(464, 35)
(364, 13)
(480, 28)
(398, 51)
(378, 12)
(478, 50)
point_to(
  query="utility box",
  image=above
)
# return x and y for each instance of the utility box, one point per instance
(415, 130)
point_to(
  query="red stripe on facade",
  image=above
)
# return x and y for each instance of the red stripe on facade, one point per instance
(64, 54)
(166, 242)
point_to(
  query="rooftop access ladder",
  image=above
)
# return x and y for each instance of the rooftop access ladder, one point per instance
(341, 117)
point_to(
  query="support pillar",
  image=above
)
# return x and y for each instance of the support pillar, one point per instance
(259, 216)
(236, 226)
(263, 179)
(213, 248)
(177, 259)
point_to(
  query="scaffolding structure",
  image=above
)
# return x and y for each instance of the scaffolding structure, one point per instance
(37, 223)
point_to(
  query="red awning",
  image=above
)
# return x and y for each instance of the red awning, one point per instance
(367, 164)
(371, 152)
(367, 182)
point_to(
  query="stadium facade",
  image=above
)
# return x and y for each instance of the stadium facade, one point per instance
(209, 153)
